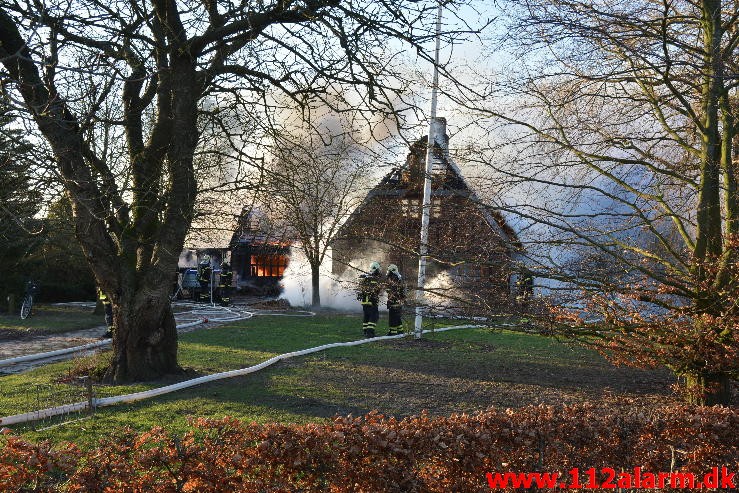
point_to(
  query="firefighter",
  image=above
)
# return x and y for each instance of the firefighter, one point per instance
(524, 287)
(369, 295)
(224, 284)
(395, 298)
(204, 275)
(108, 308)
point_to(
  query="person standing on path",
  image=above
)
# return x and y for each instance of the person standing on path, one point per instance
(225, 278)
(205, 275)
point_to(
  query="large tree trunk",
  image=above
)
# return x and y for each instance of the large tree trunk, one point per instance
(708, 389)
(145, 340)
(315, 285)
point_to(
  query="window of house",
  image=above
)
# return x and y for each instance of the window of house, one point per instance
(411, 208)
(267, 265)
(436, 208)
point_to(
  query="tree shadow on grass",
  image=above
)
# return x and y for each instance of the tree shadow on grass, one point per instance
(574, 369)
(325, 387)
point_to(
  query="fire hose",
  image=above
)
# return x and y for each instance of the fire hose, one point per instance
(148, 394)
(203, 315)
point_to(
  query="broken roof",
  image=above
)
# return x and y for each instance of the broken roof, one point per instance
(447, 180)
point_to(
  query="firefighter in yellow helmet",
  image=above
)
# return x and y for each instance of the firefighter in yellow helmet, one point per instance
(368, 294)
(395, 298)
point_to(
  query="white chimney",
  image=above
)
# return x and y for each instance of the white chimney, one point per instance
(438, 130)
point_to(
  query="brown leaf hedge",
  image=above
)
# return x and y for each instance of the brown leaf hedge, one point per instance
(375, 453)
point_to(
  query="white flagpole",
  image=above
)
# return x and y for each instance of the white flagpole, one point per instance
(425, 212)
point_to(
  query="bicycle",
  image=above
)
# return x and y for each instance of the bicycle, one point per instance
(27, 305)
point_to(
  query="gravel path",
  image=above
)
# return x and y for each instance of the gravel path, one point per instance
(25, 343)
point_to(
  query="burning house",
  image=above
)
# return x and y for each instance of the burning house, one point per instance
(471, 247)
(259, 255)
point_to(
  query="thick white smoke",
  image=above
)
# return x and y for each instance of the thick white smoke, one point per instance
(336, 293)
(438, 289)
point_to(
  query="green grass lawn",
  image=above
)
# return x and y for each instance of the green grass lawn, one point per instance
(52, 319)
(460, 370)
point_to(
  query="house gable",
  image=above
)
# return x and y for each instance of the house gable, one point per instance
(466, 238)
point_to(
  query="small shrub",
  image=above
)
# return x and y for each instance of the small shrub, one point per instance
(93, 366)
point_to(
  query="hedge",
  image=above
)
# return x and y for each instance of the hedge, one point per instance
(375, 453)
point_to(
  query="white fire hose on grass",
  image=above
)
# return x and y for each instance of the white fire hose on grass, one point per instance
(204, 315)
(51, 354)
(147, 394)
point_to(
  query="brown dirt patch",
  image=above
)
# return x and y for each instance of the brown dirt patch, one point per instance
(409, 343)
(17, 335)
(279, 304)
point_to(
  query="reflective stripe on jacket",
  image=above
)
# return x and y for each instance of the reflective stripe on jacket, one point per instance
(369, 289)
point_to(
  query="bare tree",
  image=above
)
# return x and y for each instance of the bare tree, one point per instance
(620, 119)
(315, 179)
(116, 89)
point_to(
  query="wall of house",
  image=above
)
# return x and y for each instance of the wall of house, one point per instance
(464, 249)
